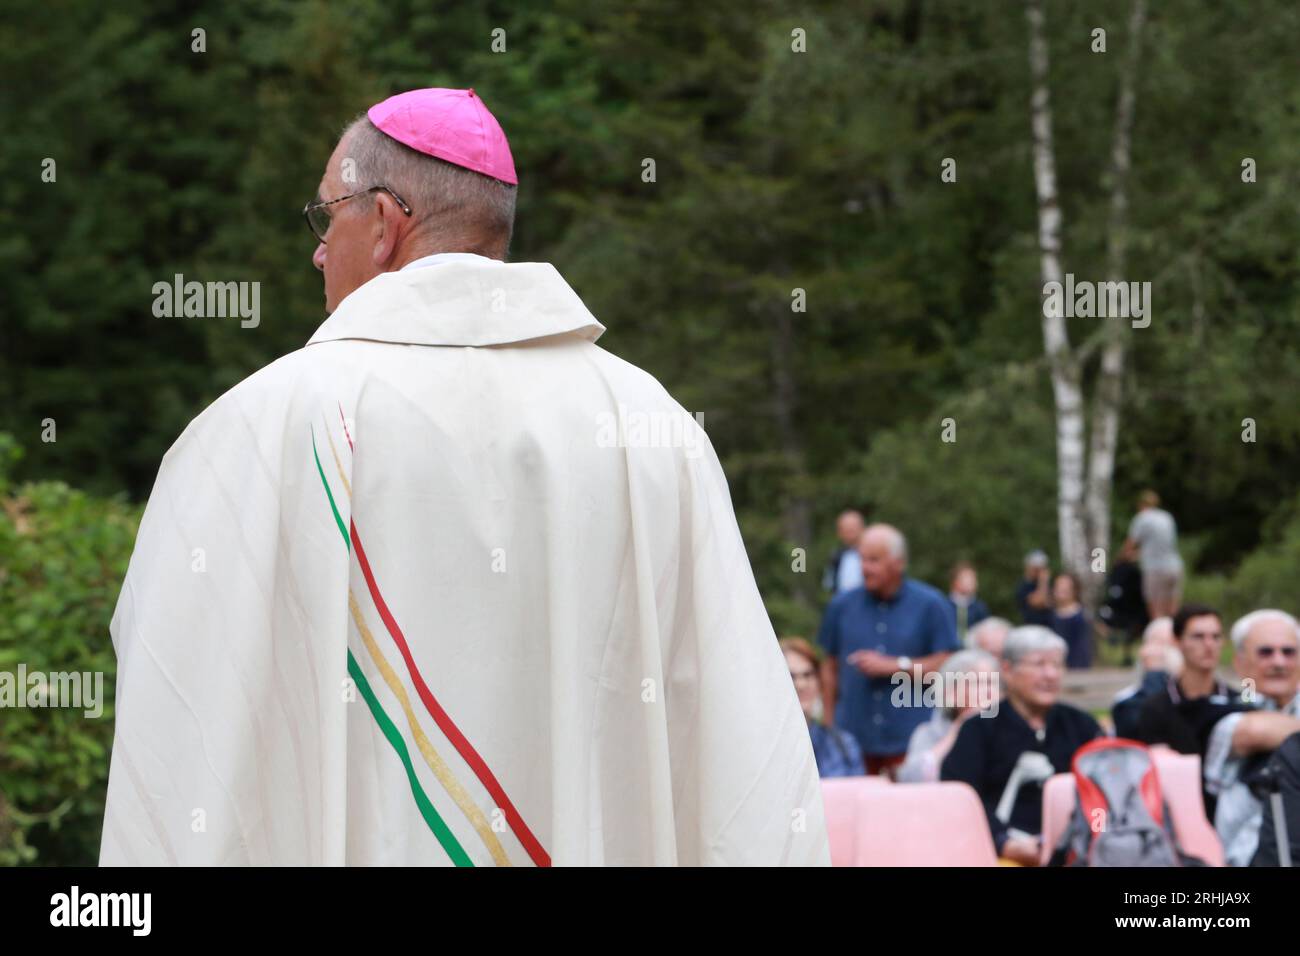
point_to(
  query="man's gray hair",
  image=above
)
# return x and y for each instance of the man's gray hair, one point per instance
(976, 631)
(1030, 639)
(1241, 630)
(457, 209)
(897, 542)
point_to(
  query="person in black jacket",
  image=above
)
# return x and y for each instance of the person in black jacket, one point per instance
(1185, 709)
(1029, 720)
(1124, 612)
(1158, 658)
(1181, 714)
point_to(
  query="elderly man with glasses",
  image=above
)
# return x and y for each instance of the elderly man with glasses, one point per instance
(1266, 644)
(451, 584)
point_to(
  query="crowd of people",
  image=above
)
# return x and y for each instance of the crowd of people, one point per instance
(993, 688)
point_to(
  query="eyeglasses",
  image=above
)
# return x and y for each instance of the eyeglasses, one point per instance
(1287, 652)
(1041, 663)
(318, 217)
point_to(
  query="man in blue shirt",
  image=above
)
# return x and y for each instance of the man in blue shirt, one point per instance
(894, 625)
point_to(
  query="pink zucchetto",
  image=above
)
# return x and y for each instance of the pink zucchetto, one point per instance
(452, 125)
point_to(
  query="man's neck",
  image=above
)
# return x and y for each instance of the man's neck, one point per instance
(417, 258)
(1284, 702)
(1196, 683)
(889, 592)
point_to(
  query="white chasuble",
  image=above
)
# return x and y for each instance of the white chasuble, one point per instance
(451, 585)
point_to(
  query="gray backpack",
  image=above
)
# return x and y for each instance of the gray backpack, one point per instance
(1121, 818)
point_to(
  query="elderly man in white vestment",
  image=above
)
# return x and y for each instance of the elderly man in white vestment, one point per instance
(450, 584)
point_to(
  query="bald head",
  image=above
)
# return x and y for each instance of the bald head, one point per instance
(848, 528)
(888, 537)
(884, 559)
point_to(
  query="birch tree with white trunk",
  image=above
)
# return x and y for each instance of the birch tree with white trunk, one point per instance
(1085, 450)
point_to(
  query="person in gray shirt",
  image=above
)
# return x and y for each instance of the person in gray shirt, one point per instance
(1154, 535)
(970, 685)
(1267, 657)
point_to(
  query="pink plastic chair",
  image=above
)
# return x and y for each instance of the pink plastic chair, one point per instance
(914, 824)
(840, 802)
(840, 799)
(1058, 805)
(1180, 782)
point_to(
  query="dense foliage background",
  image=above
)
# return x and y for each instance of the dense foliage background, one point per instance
(776, 170)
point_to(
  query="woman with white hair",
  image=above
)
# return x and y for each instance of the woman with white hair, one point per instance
(1007, 752)
(968, 683)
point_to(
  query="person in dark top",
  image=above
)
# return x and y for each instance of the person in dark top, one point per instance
(1175, 716)
(1126, 709)
(1124, 612)
(967, 608)
(1070, 621)
(1029, 719)
(844, 570)
(1184, 711)
(1033, 596)
(1158, 659)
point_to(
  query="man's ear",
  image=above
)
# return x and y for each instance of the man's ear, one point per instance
(387, 229)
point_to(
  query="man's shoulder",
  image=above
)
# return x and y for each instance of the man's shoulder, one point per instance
(844, 598)
(1156, 710)
(1076, 718)
(984, 725)
(926, 593)
(626, 381)
(300, 367)
(271, 390)
(846, 739)
(641, 408)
